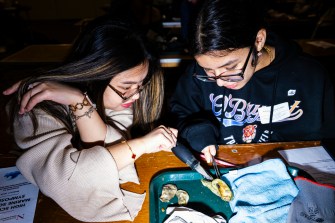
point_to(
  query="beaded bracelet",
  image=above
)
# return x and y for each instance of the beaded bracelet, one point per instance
(133, 155)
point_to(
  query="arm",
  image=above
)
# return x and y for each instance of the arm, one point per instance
(328, 128)
(91, 127)
(159, 139)
(85, 183)
(196, 125)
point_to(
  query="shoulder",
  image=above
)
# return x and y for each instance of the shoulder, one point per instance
(308, 66)
(123, 119)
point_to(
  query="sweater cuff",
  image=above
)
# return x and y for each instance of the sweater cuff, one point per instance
(199, 138)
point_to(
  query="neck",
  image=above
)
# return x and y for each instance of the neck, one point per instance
(266, 58)
(269, 52)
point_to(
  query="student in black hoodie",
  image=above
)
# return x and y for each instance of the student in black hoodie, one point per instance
(247, 85)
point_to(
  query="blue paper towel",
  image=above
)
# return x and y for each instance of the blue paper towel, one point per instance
(262, 193)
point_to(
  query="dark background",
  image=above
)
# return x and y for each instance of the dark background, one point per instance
(27, 22)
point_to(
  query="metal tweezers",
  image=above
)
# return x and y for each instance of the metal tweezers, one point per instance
(216, 169)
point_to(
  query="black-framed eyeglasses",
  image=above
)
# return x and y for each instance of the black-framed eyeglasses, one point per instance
(235, 75)
(129, 93)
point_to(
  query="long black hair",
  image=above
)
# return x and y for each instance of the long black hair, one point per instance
(104, 48)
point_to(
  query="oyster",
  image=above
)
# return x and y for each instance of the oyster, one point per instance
(168, 192)
(219, 188)
(183, 197)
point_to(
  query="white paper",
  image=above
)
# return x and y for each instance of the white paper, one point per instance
(314, 160)
(280, 112)
(18, 197)
(185, 214)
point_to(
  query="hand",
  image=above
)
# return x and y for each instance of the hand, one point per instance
(209, 151)
(12, 89)
(161, 138)
(51, 91)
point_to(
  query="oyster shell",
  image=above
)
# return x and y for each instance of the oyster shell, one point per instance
(183, 197)
(168, 192)
(219, 188)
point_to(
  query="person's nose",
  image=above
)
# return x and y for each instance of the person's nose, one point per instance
(136, 96)
(217, 72)
(220, 82)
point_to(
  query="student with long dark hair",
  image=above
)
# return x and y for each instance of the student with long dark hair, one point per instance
(74, 122)
(248, 85)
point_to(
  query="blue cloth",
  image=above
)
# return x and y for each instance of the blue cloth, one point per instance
(314, 203)
(262, 193)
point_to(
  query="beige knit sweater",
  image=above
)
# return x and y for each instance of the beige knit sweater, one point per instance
(84, 183)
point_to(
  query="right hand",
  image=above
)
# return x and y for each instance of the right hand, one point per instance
(209, 151)
(160, 139)
(12, 89)
(51, 91)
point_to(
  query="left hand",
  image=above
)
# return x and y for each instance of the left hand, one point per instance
(161, 138)
(209, 151)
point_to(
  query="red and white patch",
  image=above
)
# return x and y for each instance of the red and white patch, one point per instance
(249, 133)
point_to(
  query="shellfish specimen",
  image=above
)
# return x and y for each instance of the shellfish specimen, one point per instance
(168, 192)
(219, 188)
(183, 197)
(171, 190)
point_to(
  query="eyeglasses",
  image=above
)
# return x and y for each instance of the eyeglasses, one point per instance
(235, 75)
(129, 93)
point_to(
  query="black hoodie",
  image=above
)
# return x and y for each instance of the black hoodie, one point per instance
(207, 114)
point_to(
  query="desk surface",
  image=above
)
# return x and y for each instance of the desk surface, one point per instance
(150, 165)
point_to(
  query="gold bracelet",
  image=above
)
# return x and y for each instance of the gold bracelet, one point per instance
(133, 155)
(80, 106)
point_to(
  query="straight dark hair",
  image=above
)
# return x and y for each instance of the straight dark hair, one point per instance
(105, 48)
(227, 25)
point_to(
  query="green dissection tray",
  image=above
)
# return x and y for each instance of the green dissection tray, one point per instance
(201, 198)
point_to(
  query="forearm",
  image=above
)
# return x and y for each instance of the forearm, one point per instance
(90, 125)
(127, 152)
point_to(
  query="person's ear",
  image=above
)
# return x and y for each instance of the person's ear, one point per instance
(260, 40)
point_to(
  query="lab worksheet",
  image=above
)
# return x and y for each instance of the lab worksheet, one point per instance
(18, 197)
(314, 160)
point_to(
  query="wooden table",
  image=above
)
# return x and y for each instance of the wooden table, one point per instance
(150, 165)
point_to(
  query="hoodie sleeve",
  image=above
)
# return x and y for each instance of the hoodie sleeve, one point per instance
(328, 127)
(195, 124)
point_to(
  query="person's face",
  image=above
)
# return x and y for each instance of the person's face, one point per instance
(123, 89)
(238, 60)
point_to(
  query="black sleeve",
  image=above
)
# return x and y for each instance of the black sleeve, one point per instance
(196, 125)
(328, 127)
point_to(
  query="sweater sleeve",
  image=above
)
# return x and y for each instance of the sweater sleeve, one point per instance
(84, 183)
(196, 125)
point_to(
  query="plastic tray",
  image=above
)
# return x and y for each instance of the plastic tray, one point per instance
(201, 198)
